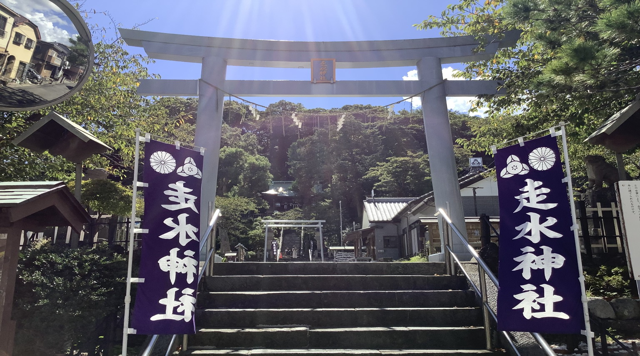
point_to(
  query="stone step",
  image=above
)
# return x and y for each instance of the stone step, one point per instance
(335, 282)
(340, 352)
(451, 338)
(315, 268)
(339, 299)
(339, 317)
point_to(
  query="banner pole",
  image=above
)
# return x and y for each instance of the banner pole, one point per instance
(127, 298)
(585, 307)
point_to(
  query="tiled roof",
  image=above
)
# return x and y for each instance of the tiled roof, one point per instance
(615, 121)
(464, 181)
(384, 209)
(14, 193)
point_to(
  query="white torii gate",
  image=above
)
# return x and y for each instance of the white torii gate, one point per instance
(427, 55)
(316, 224)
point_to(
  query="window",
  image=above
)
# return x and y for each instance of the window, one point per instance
(3, 25)
(390, 242)
(29, 44)
(18, 39)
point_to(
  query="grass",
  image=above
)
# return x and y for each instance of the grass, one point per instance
(417, 258)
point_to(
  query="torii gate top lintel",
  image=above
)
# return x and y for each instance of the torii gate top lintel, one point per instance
(298, 54)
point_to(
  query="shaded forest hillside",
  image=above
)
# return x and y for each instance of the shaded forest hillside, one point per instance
(332, 156)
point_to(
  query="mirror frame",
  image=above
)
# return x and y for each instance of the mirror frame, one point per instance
(85, 34)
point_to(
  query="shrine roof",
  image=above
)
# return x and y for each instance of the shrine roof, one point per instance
(384, 209)
(14, 193)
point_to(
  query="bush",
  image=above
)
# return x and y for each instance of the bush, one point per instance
(420, 258)
(609, 281)
(64, 296)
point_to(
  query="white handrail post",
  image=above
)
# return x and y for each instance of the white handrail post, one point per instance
(321, 245)
(485, 311)
(212, 241)
(127, 298)
(266, 237)
(585, 307)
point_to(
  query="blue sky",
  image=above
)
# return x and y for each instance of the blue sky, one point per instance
(293, 20)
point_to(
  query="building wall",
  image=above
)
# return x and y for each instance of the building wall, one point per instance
(387, 229)
(486, 202)
(48, 61)
(487, 187)
(485, 205)
(20, 52)
(4, 41)
(365, 220)
(486, 198)
(406, 247)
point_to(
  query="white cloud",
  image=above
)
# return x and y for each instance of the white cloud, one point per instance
(53, 24)
(48, 30)
(460, 104)
(28, 6)
(416, 102)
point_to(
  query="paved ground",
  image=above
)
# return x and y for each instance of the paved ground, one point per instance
(18, 95)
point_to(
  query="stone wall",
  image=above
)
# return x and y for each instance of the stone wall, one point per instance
(622, 314)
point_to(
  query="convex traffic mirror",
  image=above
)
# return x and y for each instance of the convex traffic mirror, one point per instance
(46, 53)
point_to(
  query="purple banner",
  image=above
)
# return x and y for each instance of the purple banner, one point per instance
(165, 302)
(539, 286)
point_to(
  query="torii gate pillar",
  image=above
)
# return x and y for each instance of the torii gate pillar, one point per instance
(209, 131)
(442, 161)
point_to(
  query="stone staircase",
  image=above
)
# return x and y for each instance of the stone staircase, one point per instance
(337, 309)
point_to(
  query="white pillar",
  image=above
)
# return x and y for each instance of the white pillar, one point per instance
(266, 239)
(208, 131)
(444, 175)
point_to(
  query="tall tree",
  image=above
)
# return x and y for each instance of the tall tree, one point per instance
(79, 52)
(240, 173)
(311, 164)
(575, 62)
(407, 176)
(358, 148)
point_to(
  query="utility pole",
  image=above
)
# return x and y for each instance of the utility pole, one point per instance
(340, 222)
(475, 203)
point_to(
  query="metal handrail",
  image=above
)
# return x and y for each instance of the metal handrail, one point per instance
(482, 293)
(604, 333)
(204, 242)
(486, 218)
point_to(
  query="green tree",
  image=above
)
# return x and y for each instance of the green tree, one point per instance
(239, 218)
(174, 118)
(575, 61)
(79, 52)
(235, 113)
(240, 173)
(402, 176)
(311, 164)
(57, 291)
(234, 137)
(106, 197)
(358, 148)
